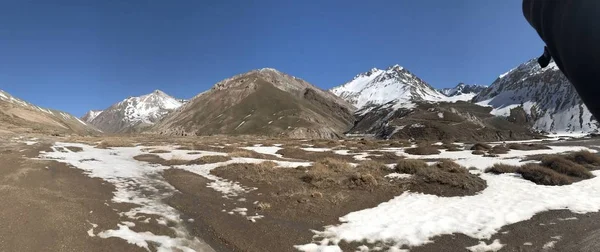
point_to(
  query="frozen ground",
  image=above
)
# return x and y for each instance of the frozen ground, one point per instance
(411, 219)
(140, 183)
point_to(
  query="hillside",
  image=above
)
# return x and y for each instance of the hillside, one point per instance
(19, 116)
(261, 102)
(549, 101)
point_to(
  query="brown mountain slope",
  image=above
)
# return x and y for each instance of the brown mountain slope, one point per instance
(461, 121)
(18, 116)
(261, 102)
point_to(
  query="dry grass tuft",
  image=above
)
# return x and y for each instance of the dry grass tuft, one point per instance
(435, 181)
(543, 176)
(210, 159)
(502, 168)
(114, 142)
(154, 159)
(527, 147)
(261, 206)
(586, 158)
(478, 152)
(160, 151)
(386, 157)
(499, 149)
(297, 153)
(448, 165)
(364, 180)
(373, 167)
(327, 172)
(410, 166)
(423, 150)
(481, 147)
(567, 167)
(74, 148)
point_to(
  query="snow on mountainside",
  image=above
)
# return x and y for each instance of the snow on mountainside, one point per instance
(463, 89)
(19, 114)
(546, 96)
(90, 115)
(377, 87)
(134, 113)
(393, 87)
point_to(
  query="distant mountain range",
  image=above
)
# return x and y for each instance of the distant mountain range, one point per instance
(384, 103)
(463, 89)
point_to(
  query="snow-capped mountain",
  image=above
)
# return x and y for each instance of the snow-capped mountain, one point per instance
(463, 89)
(377, 87)
(134, 113)
(549, 100)
(90, 115)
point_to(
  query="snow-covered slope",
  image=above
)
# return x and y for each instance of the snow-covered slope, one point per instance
(90, 115)
(135, 112)
(546, 95)
(463, 89)
(394, 86)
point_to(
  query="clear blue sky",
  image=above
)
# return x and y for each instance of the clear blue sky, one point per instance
(79, 55)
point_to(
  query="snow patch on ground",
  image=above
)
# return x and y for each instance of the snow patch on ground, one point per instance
(268, 150)
(412, 219)
(483, 247)
(398, 176)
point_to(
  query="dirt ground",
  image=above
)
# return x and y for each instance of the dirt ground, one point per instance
(49, 206)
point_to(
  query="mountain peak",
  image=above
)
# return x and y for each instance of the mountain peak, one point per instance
(395, 67)
(467, 90)
(134, 112)
(158, 92)
(378, 87)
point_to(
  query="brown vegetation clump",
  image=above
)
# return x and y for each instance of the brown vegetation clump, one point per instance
(499, 149)
(326, 172)
(386, 157)
(423, 150)
(297, 153)
(432, 180)
(481, 147)
(373, 167)
(365, 180)
(448, 165)
(561, 165)
(478, 152)
(450, 146)
(210, 159)
(586, 158)
(159, 151)
(74, 148)
(263, 172)
(114, 142)
(410, 166)
(543, 176)
(154, 159)
(502, 168)
(527, 147)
